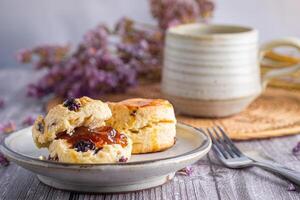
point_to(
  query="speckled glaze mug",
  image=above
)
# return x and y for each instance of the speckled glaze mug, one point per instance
(214, 70)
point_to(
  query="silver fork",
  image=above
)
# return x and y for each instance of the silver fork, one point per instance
(232, 157)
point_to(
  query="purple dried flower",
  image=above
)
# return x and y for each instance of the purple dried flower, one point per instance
(184, 11)
(206, 8)
(123, 159)
(50, 55)
(35, 90)
(28, 121)
(291, 187)
(2, 103)
(187, 171)
(174, 22)
(24, 56)
(3, 161)
(95, 68)
(7, 127)
(296, 149)
(96, 39)
(72, 104)
(91, 71)
(123, 26)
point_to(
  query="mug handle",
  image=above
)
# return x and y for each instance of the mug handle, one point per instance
(290, 41)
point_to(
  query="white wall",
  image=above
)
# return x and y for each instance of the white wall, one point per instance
(24, 23)
(273, 18)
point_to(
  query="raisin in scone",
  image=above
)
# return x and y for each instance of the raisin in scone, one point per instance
(98, 145)
(66, 117)
(150, 123)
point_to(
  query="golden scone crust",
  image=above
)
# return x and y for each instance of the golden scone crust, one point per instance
(91, 113)
(137, 113)
(153, 138)
(60, 149)
(149, 122)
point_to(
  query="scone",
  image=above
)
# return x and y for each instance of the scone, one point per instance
(150, 123)
(67, 116)
(98, 145)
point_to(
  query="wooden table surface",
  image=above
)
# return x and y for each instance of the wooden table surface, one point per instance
(209, 180)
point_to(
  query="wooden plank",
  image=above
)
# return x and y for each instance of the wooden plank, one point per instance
(255, 183)
(197, 186)
(9, 177)
(18, 188)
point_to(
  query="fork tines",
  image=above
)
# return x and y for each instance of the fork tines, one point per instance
(222, 144)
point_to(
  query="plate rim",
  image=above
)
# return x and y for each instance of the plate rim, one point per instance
(205, 146)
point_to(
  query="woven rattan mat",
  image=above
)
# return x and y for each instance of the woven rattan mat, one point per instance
(275, 113)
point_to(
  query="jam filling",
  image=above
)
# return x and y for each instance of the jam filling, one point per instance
(84, 139)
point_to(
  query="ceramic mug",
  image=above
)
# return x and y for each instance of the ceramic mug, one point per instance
(214, 70)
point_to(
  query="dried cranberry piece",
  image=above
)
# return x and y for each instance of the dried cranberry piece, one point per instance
(53, 158)
(97, 150)
(40, 128)
(133, 113)
(84, 146)
(72, 104)
(123, 159)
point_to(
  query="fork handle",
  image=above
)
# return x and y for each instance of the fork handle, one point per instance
(289, 174)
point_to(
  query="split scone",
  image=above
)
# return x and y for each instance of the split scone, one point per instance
(72, 113)
(150, 123)
(75, 132)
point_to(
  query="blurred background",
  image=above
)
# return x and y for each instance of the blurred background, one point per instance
(24, 24)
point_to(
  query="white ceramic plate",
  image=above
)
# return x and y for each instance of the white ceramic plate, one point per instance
(142, 171)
